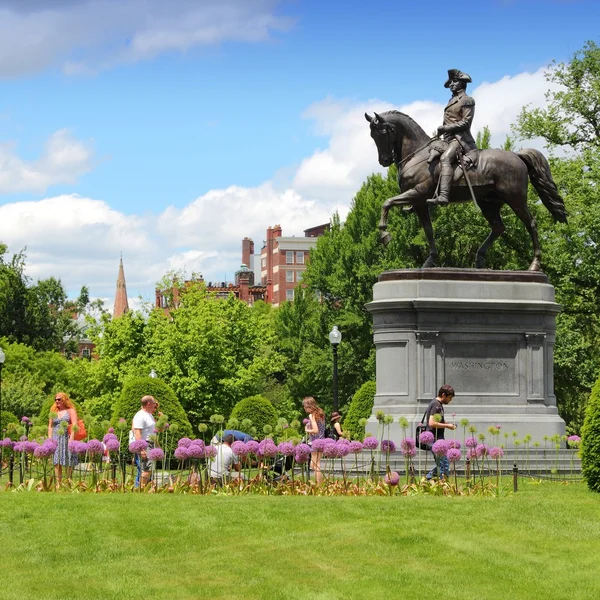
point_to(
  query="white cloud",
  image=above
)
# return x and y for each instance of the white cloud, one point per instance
(63, 160)
(86, 35)
(79, 239)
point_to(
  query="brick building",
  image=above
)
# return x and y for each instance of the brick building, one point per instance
(283, 261)
(271, 275)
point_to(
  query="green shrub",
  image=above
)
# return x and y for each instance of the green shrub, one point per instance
(289, 434)
(361, 407)
(129, 403)
(258, 410)
(10, 426)
(590, 440)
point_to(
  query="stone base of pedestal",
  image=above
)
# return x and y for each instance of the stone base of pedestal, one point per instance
(489, 334)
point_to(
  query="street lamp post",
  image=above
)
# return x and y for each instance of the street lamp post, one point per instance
(335, 337)
(153, 374)
(2, 359)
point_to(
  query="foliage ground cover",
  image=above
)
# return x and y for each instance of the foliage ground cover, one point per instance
(539, 543)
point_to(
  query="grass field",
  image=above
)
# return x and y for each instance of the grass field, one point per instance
(543, 542)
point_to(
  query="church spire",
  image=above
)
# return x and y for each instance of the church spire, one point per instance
(121, 304)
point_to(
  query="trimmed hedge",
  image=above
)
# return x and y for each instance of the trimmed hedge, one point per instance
(361, 407)
(259, 410)
(590, 441)
(129, 403)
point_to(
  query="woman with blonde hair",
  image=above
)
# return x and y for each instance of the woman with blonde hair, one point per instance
(62, 414)
(316, 431)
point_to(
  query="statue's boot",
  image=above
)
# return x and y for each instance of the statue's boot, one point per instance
(445, 185)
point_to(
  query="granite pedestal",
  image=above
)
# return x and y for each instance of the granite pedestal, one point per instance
(489, 334)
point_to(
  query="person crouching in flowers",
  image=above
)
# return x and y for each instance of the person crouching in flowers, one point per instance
(62, 414)
(315, 428)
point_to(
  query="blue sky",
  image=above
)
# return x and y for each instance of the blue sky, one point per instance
(169, 131)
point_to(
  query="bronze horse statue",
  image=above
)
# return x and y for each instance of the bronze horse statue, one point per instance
(500, 177)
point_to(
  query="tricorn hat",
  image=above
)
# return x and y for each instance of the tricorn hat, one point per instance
(456, 74)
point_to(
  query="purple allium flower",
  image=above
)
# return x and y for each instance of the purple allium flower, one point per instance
(471, 453)
(199, 443)
(305, 421)
(239, 448)
(95, 447)
(330, 451)
(109, 436)
(355, 447)
(156, 454)
(370, 443)
(19, 447)
(319, 445)
(303, 449)
(440, 448)
(497, 426)
(342, 449)
(112, 445)
(496, 453)
(426, 438)
(181, 453)
(392, 478)
(410, 452)
(52, 444)
(252, 446)
(573, 441)
(286, 448)
(388, 446)
(122, 420)
(210, 451)
(267, 448)
(25, 420)
(195, 451)
(80, 448)
(454, 444)
(471, 442)
(407, 444)
(30, 447)
(42, 451)
(111, 430)
(184, 442)
(482, 450)
(344, 441)
(7, 443)
(454, 454)
(138, 446)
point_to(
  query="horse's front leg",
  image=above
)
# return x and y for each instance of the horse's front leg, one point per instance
(423, 213)
(406, 198)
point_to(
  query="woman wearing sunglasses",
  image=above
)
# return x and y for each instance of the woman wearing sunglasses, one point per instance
(62, 414)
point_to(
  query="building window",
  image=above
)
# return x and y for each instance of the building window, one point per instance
(298, 276)
(85, 352)
(299, 258)
(289, 257)
(289, 295)
(289, 276)
(263, 263)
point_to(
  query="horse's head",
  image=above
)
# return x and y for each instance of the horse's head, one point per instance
(384, 136)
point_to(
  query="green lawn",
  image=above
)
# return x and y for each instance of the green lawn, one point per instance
(543, 542)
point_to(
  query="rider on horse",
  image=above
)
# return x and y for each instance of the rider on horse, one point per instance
(456, 131)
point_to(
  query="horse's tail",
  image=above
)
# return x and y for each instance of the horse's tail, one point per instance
(541, 178)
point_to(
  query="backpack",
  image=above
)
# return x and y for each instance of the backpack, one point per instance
(331, 433)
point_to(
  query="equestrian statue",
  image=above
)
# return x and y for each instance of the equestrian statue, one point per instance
(448, 168)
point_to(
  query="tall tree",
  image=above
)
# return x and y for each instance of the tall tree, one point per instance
(572, 116)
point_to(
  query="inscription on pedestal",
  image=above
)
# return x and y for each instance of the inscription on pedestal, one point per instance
(481, 368)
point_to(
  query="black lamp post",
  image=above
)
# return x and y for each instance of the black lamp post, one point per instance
(2, 359)
(335, 337)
